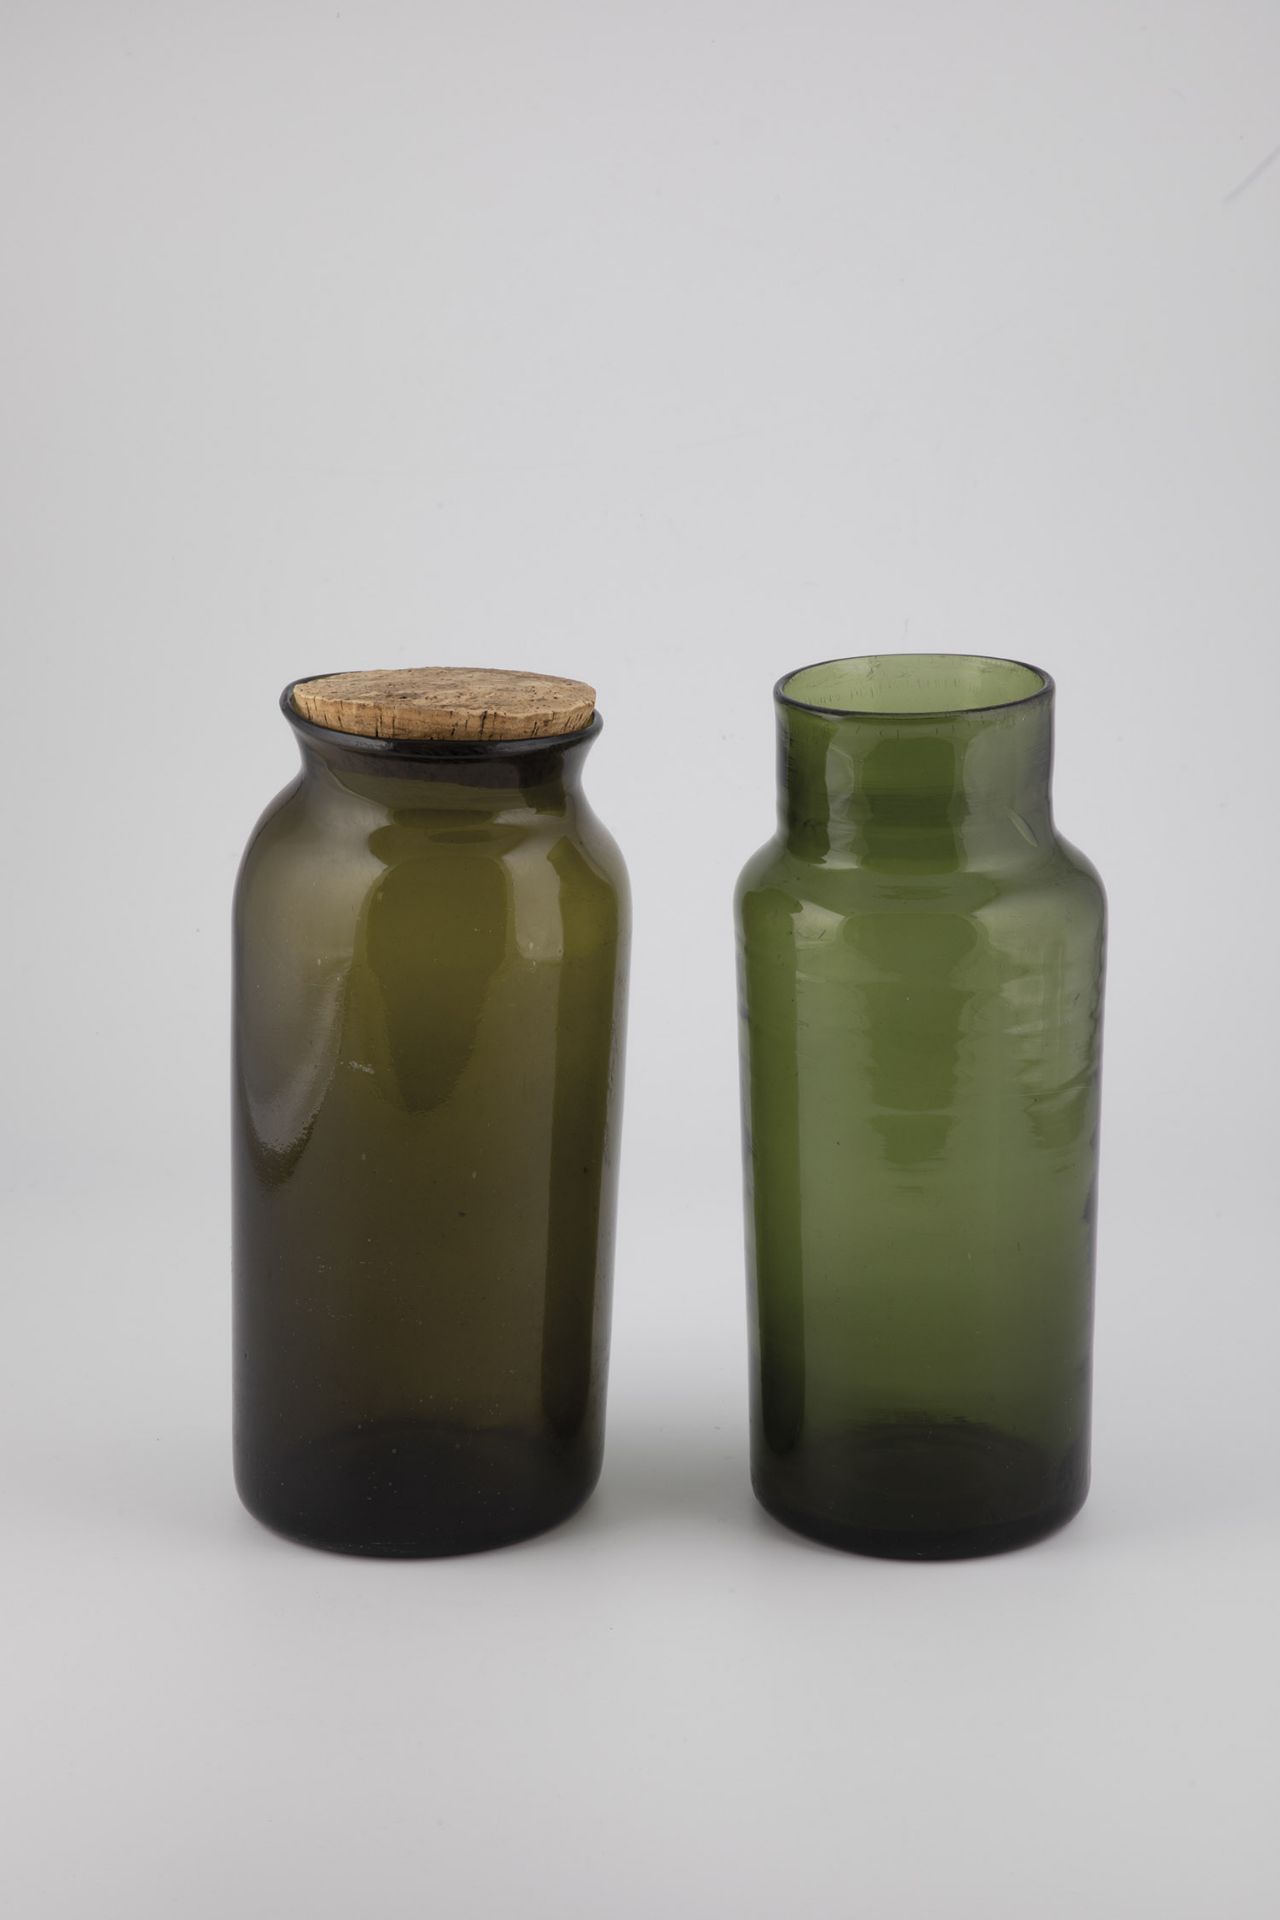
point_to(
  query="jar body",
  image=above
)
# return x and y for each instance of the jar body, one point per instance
(921, 1053)
(430, 960)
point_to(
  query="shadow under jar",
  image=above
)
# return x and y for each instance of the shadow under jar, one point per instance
(430, 947)
(921, 966)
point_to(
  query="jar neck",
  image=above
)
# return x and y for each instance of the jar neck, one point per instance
(938, 790)
(480, 779)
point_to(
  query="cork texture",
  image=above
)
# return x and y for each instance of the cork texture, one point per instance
(446, 703)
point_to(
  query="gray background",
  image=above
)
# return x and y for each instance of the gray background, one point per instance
(670, 346)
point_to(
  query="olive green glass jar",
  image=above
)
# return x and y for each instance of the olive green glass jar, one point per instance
(921, 967)
(430, 948)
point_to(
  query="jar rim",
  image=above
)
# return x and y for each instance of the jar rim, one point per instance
(949, 709)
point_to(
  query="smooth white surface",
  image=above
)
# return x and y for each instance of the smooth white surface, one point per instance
(671, 346)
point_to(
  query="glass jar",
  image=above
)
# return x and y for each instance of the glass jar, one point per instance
(921, 964)
(430, 956)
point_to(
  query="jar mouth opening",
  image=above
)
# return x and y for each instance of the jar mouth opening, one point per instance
(378, 747)
(913, 686)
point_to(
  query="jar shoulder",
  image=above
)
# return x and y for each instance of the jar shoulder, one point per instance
(778, 886)
(1086, 876)
(282, 819)
(596, 847)
(311, 862)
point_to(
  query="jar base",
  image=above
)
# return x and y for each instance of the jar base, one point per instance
(916, 1489)
(409, 1490)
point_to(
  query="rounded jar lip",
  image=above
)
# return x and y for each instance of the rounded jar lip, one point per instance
(1041, 693)
(404, 750)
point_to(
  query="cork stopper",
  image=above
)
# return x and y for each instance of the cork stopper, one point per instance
(446, 703)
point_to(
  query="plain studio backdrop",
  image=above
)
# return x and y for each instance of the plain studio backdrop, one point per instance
(669, 346)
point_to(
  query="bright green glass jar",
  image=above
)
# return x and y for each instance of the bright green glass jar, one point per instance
(921, 966)
(430, 956)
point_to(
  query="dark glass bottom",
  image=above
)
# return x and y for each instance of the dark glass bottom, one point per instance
(407, 1490)
(915, 1489)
